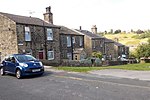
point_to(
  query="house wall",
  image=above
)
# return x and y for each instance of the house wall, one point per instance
(93, 45)
(8, 38)
(122, 50)
(39, 43)
(88, 45)
(63, 44)
(64, 33)
(109, 50)
(98, 45)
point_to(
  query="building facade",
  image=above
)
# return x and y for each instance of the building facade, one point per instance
(71, 44)
(92, 41)
(21, 34)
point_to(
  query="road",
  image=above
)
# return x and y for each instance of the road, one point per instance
(73, 86)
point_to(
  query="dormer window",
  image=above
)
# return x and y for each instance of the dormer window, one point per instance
(27, 34)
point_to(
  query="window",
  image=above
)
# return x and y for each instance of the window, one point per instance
(68, 41)
(73, 40)
(76, 57)
(27, 34)
(49, 34)
(81, 41)
(50, 55)
(94, 44)
(69, 56)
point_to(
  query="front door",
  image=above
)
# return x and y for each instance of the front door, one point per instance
(40, 54)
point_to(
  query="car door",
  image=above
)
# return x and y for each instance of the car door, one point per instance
(12, 64)
(5, 63)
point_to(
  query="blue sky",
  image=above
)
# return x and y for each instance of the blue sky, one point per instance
(105, 14)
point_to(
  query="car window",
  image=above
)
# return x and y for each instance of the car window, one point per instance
(8, 58)
(25, 58)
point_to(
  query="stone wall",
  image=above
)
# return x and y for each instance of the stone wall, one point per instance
(64, 32)
(39, 42)
(8, 37)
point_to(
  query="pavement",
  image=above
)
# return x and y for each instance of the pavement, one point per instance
(139, 75)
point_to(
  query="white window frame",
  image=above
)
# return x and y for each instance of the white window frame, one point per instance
(49, 34)
(94, 44)
(48, 56)
(69, 56)
(68, 41)
(81, 41)
(73, 40)
(27, 34)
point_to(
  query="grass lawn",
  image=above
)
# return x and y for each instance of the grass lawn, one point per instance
(127, 39)
(140, 67)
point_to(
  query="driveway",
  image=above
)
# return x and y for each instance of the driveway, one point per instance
(141, 75)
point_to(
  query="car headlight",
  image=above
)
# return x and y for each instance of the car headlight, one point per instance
(23, 64)
(40, 63)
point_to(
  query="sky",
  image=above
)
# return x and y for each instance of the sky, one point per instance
(105, 14)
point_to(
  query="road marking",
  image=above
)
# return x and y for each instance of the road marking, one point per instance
(112, 83)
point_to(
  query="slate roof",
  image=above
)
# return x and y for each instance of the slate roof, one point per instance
(115, 43)
(27, 20)
(67, 31)
(89, 34)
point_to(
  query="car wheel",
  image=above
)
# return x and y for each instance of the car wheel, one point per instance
(2, 72)
(18, 74)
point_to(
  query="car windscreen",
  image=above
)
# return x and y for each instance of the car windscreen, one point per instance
(25, 58)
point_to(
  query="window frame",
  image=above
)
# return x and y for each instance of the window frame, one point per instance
(27, 33)
(50, 51)
(49, 32)
(81, 41)
(68, 41)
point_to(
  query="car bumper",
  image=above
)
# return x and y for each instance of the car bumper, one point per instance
(30, 73)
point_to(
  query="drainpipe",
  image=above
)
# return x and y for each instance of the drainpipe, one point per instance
(45, 42)
(72, 46)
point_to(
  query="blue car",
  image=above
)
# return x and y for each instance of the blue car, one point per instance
(21, 65)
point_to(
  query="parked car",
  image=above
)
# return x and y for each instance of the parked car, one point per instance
(21, 65)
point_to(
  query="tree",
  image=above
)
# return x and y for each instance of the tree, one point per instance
(97, 55)
(143, 50)
(117, 31)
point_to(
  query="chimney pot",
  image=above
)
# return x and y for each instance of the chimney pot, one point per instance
(80, 27)
(94, 29)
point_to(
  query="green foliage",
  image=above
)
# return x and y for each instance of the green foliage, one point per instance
(133, 54)
(117, 31)
(86, 61)
(148, 41)
(142, 36)
(97, 55)
(143, 50)
(98, 62)
(142, 66)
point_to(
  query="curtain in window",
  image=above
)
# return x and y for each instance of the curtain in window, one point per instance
(49, 34)
(68, 41)
(27, 34)
(50, 55)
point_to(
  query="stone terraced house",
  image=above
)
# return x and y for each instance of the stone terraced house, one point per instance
(92, 41)
(51, 43)
(110, 49)
(21, 34)
(71, 44)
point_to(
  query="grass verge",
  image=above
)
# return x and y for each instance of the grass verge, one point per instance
(139, 67)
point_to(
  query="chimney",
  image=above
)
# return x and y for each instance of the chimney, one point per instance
(80, 28)
(48, 16)
(94, 29)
